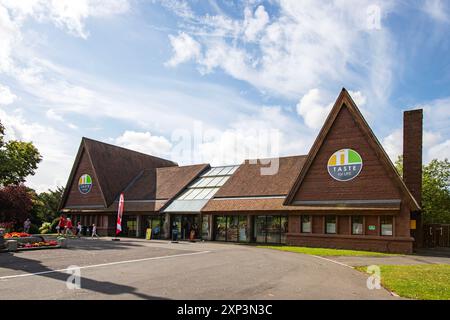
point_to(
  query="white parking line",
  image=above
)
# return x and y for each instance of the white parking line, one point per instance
(103, 265)
(336, 262)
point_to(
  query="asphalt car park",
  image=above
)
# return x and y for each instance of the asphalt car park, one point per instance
(139, 269)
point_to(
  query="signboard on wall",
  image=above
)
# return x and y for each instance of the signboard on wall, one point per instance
(85, 184)
(345, 165)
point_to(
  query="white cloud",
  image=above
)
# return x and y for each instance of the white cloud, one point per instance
(440, 151)
(437, 10)
(145, 142)
(432, 145)
(255, 23)
(56, 148)
(66, 14)
(314, 108)
(393, 144)
(307, 44)
(52, 115)
(184, 47)
(6, 96)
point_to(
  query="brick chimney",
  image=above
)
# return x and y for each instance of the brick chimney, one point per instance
(412, 164)
(412, 152)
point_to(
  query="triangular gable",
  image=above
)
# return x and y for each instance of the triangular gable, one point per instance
(371, 148)
(72, 195)
(113, 167)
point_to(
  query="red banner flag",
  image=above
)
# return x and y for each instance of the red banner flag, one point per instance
(119, 215)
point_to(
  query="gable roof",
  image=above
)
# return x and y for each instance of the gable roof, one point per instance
(248, 181)
(114, 167)
(345, 100)
(162, 183)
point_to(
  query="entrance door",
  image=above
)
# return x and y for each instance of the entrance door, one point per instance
(186, 224)
(154, 223)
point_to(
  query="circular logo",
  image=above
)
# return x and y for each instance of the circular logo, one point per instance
(345, 165)
(85, 184)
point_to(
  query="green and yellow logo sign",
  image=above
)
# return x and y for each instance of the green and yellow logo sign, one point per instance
(85, 184)
(345, 165)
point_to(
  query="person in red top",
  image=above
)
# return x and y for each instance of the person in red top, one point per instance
(61, 224)
(69, 226)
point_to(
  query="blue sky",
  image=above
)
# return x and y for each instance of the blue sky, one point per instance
(217, 81)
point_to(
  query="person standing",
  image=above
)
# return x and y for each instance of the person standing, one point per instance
(61, 225)
(94, 231)
(26, 225)
(69, 227)
(79, 228)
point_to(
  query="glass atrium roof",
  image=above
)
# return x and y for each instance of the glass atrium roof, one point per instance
(201, 190)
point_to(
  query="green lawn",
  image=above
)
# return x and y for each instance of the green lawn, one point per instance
(425, 281)
(328, 252)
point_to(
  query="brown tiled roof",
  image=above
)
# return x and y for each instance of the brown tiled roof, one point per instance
(162, 183)
(248, 181)
(256, 204)
(252, 204)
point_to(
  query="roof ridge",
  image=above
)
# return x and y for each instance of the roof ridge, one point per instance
(127, 149)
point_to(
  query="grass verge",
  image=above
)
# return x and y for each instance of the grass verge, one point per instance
(424, 281)
(328, 252)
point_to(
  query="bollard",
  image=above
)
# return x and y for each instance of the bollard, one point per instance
(11, 245)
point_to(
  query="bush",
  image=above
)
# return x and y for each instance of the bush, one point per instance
(33, 229)
(54, 224)
(45, 228)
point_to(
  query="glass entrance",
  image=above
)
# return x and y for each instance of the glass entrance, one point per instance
(129, 226)
(230, 228)
(155, 223)
(188, 226)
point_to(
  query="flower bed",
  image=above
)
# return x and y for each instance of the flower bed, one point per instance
(39, 244)
(12, 235)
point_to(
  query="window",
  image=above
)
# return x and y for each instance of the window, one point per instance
(330, 224)
(221, 228)
(387, 226)
(306, 224)
(357, 225)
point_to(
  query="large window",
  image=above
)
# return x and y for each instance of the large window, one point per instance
(221, 228)
(205, 227)
(306, 224)
(357, 225)
(270, 229)
(273, 229)
(387, 225)
(231, 228)
(330, 224)
(243, 229)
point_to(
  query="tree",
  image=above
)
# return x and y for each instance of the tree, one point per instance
(17, 160)
(435, 190)
(15, 203)
(45, 204)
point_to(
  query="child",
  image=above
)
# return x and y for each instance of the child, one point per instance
(94, 231)
(79, 229)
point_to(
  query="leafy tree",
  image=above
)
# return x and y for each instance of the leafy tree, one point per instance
(15, 204)
(17, 160)
(435, 190)
(45, 204)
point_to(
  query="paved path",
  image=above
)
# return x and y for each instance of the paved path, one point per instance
(139, 269)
